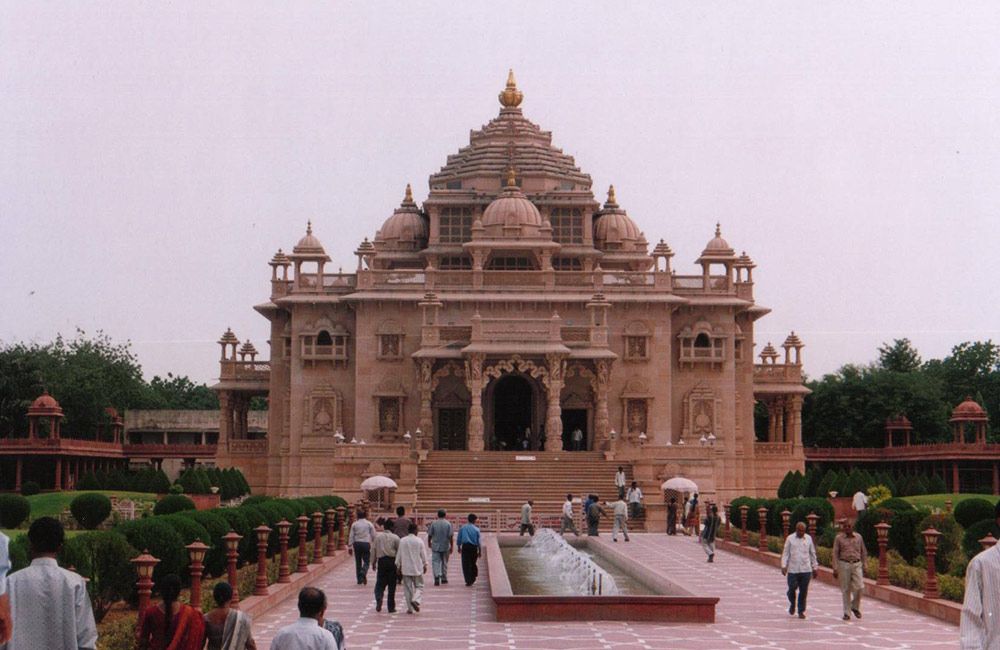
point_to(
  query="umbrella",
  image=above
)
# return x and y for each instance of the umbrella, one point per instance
(680, 484)
(377, 482)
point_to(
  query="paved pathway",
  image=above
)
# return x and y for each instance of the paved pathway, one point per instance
(752, 613)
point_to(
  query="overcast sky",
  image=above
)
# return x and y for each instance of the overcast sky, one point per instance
(153, 156)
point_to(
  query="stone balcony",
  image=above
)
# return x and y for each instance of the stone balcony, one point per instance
(933, 451)
(60, 446)
(773, 373)
(170, 451)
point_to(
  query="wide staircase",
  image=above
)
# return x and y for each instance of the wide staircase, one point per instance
(495, 484)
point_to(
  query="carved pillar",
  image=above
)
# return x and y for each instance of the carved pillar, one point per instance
(796, 422)
(425, 372)
(225, 418)
(602, 425)
(553, 414)
(474, 381)
(779, 414)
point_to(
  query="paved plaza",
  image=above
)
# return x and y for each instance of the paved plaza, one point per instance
(752, 613)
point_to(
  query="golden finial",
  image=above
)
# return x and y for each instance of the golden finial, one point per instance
(611, 194)
(511, 97)
(309, 227)
(409, 195)
(511, 180)
(718, 229)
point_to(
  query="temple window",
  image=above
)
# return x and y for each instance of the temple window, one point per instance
(389, 413)
(455, 225)
(702, 344)
(326, 345)
(456, 263)
(390, 346)
(566, 264)
(511, 264)
(453, 185)
(567, 225)
(286, 347)
(636, 341)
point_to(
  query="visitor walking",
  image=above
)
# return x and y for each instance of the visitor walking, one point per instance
(980, 627)
(307, 633)
(691, 518)
(227, 628)
(385, 548)
(170, 624)
(526, 524)
(567, 517)
(859, 503)
(49, 606)
(5, 623)
(470, 547)
(411, 562)
(710, 532)
(620, 510)
(577, 440)
(672, 516)
(594, 514)
(634, 500)
(401, 527)
(441, 539)
(849, 555)
(620, 482)
(359, 542)
(799, 565)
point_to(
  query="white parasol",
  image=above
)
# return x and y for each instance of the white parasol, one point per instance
(680, 484)
(377, 482)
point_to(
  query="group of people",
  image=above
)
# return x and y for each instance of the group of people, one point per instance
(690, 524)
(592, 513)
(400, 557)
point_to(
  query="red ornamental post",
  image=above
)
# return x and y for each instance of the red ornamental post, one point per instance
(930, 547)
(317, 537)
(812, 517)
(331, 542)
(762, 517)
(232, 540)
(342, 541)
(744, 509)
(303, 530)
(196, 552)
(786, 522)
(144, 565)
(988, 542)
(882, 529)
(260, 589)
(725, 509)
(283, 527)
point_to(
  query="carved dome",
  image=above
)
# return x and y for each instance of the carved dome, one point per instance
(406, 228)
(45, 405)
(614, 229)
(309, 245)
(718, 247)
(968, 410)
(512, 208)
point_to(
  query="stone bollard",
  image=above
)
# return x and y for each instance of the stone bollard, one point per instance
(786, 522)
(341, 519)
(303, 530)
(331, 541)
(283, 572)
(232, 541)
(260, 588)
(988, 542)
(811, 518)
(317, 537)
(930, 548)
(762, 516)
(144, 565)
(744, 509)
(882, 530)
(725, 508)
(196, 553)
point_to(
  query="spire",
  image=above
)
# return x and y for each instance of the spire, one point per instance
(309, 227)
(511, 97)
(511, 178)
(409, 195)
(611, 194)
(718, 229)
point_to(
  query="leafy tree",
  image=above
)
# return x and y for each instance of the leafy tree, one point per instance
(181, 393)
(159, 484)
(901, 356)
(102, 557)
(20, 383)
(826, 484)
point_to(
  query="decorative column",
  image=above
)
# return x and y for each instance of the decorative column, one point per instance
(260, 589)
(725, 508)
(232, 540)
(144, 565)
(882, 529)
(930, 547)
(812, 517)
(474, 381)
(317, 537)
(20, 461)
(342, 541)
(796, 423)
(601, 386)
(225, 419)
(331, 541)
(283, 527)
(779, 414)
(744, 509)
(553, 414)
(425, 377)
(58, 474)
(786, 520)
(303, 551)
(762, 517)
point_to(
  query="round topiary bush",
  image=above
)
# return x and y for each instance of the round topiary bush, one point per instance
(255, 500)
(815, 505)
(897, 505)
(217, 527)
(14, 509)
(170, 504)
(29, 488)
(949, 541)
(188, 529)
(90, 509)
(161, 540)
(970, 541)
(238, 522)
(970, 511)
(102, 557)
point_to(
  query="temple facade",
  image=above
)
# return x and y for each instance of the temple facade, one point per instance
(511, 311)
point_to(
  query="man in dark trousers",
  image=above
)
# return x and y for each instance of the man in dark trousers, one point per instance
(384, 550)
(471, 548)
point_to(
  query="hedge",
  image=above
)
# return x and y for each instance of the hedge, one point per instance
(217, 526)
(14, 510)
(188, 529)
(172, 503)
(970, 541)
(88, 482)
(103, 557)
(90, 509)
(30, 488)
(161, 540)
(238, 522)
(949, 541)
(970, 511)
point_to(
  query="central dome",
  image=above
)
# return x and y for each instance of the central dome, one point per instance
(512, 208)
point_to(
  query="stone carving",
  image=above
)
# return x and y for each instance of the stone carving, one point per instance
(323, 415)
(388, 414)
(701, 413)
(636, 416)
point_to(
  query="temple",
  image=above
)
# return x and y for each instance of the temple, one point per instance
(502, 315)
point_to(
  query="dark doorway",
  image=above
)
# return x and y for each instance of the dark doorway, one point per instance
(451, 428)
(573, 419)
(513, 400)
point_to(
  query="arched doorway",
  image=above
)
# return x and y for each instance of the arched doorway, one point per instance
(513, 412)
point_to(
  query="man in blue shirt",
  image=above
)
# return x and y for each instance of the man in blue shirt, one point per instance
(471, 549)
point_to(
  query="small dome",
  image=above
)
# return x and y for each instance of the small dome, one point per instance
(968, 410)
(899, 421)
(717, 246)
(769, 352)
(614, 229)
(406, 225)
(309, 244)
(44, 405)
(280, 259)
(511, 208)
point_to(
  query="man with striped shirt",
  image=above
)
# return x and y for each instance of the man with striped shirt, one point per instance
(980, 628)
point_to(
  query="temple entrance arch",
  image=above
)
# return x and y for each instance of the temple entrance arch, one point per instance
(512, 400)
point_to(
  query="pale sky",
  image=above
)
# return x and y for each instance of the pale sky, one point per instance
(154, 155)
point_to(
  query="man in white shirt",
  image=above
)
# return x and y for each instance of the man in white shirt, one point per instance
(49, 606)
(798, 565)
(359, 542)
(860, 502)
(307, 633)
(980, 625)
(577, 440)
(5, 624)
(567, 517)
(526, 524)
(620, 482)
(411, 560)
(634, 500)
(620, 509)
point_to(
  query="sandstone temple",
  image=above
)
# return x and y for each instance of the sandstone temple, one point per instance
(511, 335)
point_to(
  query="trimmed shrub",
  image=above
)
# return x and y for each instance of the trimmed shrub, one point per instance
(289, 511)
(159, 483)
(817, 505)
(787, 486)
(176, 488)
(918, 486)
(19, 553)
(811, 484)
(117, 480)
(855, 483)
(936, 486)
(102, 557)
(172, 503)
(14, 510)
(187, 528)
(238, 522)
(826, 484)
(878, 494)
(161, 540)
(90, 509)
(217, 527)
(88, 482)
(30, 488)
(897, 505)
(902, 535)
(255, 500)
(971, 511)
(949, 541)
(970, 541)
(840, 483)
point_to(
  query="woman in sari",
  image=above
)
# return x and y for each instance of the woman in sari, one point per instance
(227, 628)
(672, 516)
(171, 625)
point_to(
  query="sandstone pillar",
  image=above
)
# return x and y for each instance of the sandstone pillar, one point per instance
(602, 425)
(225, 419)
(20, 462)
(474, 381)
(425, 372)
(553, 413)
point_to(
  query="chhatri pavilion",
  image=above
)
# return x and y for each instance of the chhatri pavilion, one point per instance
(511, 322)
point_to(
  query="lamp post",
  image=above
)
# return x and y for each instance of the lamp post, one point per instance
(144, 565)
(930, 547)
(232, 540)
(303, 530)
(342, 542)
(331, 542)
(811, 518)
(947, 506)
(725, 508)
(260, 589)
(786, 521)
(882, 529)
(762, 517)
(196, 552)
(744, 509)
(283, 527)
(988, 542)
(318, 537)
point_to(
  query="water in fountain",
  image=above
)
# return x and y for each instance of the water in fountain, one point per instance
(574, 568)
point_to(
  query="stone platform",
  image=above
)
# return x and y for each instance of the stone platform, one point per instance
(752, 613)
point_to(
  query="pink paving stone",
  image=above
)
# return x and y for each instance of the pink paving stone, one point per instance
(752, 613)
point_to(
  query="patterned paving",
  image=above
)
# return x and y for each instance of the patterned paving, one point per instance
(752, 613)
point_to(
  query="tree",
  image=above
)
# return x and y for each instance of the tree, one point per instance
(181, 393)
(786, 486)
(901, 356)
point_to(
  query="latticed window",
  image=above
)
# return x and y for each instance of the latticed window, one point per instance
(567, 225)
(566, 264)
(388, 414)
(390, 346)
(455, 225)
(456, 263)
(511, 264)
(636, 347)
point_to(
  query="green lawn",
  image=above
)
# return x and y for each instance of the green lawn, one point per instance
(937, 500)
(12, 533)
(51, 504)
